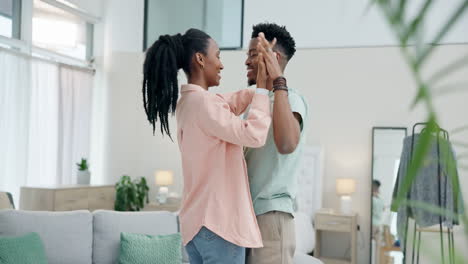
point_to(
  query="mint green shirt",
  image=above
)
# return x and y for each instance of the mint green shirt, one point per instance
(273, 176)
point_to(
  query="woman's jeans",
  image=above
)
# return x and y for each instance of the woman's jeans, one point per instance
(208, 248)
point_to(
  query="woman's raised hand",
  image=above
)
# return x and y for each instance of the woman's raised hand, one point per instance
(265, 49)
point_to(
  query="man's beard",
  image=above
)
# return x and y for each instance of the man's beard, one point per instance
(251, 82)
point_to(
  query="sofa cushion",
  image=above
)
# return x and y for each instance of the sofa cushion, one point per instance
(67, 236)
(140, 248)
(109, 224)
(27, 249)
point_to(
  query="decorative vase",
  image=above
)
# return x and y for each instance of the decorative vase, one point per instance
(83, 177)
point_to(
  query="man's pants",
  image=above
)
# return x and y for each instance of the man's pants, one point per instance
(279, 239)
(208, 248)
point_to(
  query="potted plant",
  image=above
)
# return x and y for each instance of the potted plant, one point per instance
(131, 195)
(83, 175)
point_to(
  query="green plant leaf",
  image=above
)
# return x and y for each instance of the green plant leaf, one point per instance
(386, 8)
(450, 88)
(399, 13)
(449, 69)
(434, 209)
(130, 195)
(418, 42)
(442, 32)
(83, 165)
(451, 172)
(422, 94)
(369, 6)
(459, 129)
(416, 22)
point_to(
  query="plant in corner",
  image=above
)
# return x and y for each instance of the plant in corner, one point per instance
(131, 195)
(83, 175)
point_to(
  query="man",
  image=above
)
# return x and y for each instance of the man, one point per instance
(378, 208)
(273, 169)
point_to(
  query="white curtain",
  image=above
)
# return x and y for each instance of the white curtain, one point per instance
(15, 90)
(74, 121)
(44, 122)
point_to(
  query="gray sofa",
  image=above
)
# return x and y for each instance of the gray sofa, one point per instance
(80, 237)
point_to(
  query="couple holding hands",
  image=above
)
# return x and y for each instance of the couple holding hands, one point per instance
(240, 151)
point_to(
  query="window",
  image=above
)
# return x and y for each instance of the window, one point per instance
(221, 19)
(10, 18)
(62, 32)
(6, 26)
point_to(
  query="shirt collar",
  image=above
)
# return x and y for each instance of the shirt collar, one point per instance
(191, 87)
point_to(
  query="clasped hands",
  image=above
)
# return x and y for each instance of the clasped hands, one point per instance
(267, 61)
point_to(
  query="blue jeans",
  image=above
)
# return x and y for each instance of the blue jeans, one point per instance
(208, 248)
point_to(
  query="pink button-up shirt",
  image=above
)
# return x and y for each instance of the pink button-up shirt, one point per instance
(216, 187)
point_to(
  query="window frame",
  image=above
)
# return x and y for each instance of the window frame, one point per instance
(15, 19)
(24, 9)
(87, 18)
(239, 47)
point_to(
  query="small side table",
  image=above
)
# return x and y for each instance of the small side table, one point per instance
(335, 222)
(171, 207)
(384, 259)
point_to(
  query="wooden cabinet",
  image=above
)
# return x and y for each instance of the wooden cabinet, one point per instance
(6, 201)
(67, 198)
(335, 223)
(171, 207)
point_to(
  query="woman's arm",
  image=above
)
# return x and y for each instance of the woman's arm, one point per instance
(238, 101)
(216, 119)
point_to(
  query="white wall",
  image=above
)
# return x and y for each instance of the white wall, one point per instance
(349, 90)
(313, 23)
(342, 23)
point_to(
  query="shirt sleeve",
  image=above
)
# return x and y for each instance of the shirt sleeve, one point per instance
(298, 105)
(216, 119)
(261, 91)
(238, 101)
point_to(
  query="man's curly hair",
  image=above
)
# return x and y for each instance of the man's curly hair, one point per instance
(283, 39)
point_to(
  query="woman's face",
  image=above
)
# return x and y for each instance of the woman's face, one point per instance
(213, 65)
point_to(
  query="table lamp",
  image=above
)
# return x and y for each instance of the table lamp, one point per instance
(344, 188)
(163, 180)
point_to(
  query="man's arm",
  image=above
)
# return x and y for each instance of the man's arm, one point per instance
(286, 124)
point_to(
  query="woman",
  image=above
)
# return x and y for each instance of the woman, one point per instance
(217, 218)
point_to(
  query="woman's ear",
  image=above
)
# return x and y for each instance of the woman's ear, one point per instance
(200, 59)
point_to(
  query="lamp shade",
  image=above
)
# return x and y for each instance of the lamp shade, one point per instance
(164, 177)
(345, 186)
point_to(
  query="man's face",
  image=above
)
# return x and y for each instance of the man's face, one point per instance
(375, 189)
(252, 62)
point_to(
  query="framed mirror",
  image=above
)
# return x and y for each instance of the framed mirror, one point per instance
(387, 144)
